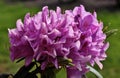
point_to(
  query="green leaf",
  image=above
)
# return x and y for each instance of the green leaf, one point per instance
(31, 75)
(48, 73)
(23, 71)
(95, 72)
(20, 60)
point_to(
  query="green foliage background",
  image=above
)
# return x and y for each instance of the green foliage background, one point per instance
(9, 13)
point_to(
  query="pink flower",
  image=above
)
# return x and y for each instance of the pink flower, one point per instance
(50, 35)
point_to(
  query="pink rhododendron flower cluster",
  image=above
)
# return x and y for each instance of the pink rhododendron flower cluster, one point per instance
(50, 35)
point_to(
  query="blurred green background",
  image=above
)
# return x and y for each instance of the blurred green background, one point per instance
(11, 11)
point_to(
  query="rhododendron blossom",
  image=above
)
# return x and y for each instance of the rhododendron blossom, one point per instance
(49, 35)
